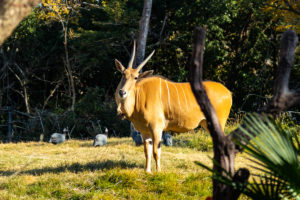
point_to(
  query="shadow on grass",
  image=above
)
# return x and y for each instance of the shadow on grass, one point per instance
(75, 168)
(109, 143)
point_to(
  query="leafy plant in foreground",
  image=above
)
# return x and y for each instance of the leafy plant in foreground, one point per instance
(276, 151)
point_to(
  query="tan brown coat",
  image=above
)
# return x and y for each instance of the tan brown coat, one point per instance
(154, 104)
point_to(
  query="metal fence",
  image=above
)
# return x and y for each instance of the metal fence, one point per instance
(19, 126)
(14, 125)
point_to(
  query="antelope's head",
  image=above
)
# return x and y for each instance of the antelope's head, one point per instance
(130, 76)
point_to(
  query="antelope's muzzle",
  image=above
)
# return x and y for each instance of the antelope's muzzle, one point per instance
(122, 93)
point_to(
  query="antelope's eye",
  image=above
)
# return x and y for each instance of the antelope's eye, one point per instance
(135, 78)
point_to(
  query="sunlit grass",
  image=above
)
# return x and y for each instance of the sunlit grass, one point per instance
(77, 170)
(199, 140)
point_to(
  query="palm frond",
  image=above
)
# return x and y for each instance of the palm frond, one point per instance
(276, 152)
(268, 188)
(275, 149)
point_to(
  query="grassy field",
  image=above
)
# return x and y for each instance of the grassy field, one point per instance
(77, 170)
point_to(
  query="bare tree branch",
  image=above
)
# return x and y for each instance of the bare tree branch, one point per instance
(23, 82)
(51, 94)
(160, 39)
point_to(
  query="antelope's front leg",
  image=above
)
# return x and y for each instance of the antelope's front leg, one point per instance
(148, 151)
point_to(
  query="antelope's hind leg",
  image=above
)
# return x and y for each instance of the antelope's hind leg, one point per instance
(203, 124)
(157, 134)
(148, 151)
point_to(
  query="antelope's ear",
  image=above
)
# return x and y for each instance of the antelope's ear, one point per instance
(146, 74)
(119, 66)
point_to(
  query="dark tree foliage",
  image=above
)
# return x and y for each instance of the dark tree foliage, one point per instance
(241, 52)
(240, 38)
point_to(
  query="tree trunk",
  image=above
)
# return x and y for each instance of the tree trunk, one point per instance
(283, 97)
(143, 32)
(223, 146)
(11, 13)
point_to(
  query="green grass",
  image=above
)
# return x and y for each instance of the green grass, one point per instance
(199, 140)
(77, 170)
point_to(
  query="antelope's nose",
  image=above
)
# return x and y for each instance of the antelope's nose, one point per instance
(122, 93)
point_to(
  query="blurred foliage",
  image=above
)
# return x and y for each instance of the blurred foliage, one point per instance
(56, 9)
(287, 11)
(241, 51)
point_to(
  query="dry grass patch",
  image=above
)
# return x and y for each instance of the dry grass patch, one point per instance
(77, 170)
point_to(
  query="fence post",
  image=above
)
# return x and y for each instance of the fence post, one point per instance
(41, 121)
(9, 124)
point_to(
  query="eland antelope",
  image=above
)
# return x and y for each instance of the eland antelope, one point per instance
(155, 104)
